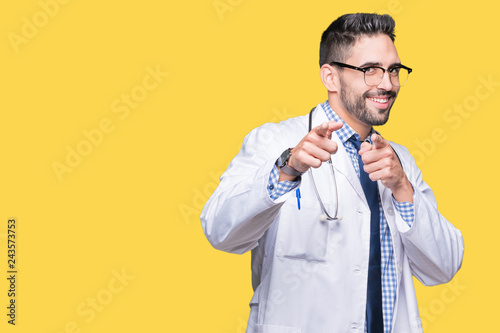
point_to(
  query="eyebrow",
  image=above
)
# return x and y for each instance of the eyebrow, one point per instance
(374, 63)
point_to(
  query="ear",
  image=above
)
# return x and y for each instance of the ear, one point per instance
(330, 78)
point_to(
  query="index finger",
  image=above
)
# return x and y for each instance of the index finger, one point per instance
(326, 129)
(379, 142)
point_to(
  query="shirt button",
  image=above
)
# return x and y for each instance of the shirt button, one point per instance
(271, 187)
(390, 211)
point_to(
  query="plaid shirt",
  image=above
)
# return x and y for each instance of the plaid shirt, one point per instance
(405, 209)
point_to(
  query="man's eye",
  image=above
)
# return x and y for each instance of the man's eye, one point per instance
(370, 70)
(394, 71)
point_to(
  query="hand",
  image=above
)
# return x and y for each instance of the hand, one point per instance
(382, 163)
(315, 148)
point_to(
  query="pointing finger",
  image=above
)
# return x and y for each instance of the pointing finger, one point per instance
(321, 129)
(332, 127)
(378, 141)
(326, 129)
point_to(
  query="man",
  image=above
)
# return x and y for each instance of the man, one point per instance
(335, 249)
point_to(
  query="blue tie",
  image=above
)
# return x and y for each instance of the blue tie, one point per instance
(374, 316)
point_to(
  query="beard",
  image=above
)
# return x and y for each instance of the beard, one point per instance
(356, 105)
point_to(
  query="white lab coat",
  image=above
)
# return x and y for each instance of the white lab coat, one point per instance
(310, 276)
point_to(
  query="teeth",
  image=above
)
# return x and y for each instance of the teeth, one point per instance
(379, 100)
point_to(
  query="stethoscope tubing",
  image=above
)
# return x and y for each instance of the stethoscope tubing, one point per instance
(325, 216)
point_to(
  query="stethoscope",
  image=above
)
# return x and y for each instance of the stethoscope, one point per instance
(325, 216)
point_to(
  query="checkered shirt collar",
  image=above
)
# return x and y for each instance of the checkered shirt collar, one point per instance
(346, 131)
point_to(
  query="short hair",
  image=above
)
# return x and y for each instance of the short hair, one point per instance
(342, 34)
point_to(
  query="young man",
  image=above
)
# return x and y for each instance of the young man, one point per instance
(338, 219)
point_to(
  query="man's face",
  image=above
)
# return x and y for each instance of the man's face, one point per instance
(369, 104)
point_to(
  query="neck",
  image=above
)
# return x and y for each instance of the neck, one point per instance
(359, 127)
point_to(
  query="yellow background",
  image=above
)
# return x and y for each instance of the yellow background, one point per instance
(131, 206)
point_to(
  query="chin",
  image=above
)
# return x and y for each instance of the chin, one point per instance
(380, 119)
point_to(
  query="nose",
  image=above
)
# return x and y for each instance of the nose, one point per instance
(386, 82)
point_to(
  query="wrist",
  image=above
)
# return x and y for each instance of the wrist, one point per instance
(284, 166)
(403, 192)
(284, 176)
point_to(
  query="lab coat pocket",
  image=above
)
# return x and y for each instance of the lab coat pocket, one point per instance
(276, 329)
(301, 234)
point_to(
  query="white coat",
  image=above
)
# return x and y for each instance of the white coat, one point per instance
(310, 276)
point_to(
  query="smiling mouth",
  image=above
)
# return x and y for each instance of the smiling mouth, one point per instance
(381, 103)
(379, 100)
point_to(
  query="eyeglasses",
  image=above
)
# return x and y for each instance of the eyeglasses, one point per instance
(398, 74)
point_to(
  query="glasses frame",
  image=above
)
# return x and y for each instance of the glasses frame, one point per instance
(365, 69)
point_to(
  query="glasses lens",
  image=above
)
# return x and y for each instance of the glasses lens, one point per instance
(399, 76)
(373, 76)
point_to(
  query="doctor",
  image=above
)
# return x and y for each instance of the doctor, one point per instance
(338, 219)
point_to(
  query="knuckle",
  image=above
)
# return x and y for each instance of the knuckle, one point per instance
(313, 139)
(297, 156)
(316, 163)
(306, 145)
(325, 156)
(387, 163)
(388, 152)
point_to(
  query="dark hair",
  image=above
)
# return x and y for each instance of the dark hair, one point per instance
(342, 34)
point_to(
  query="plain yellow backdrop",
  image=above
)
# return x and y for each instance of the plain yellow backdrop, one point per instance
(117, 118)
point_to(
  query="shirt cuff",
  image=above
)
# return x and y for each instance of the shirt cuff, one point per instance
(276, 189)
(406, 210)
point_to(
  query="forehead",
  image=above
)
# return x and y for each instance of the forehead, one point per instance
(374, 49)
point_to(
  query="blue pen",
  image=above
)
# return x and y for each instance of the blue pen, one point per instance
(297, 194)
